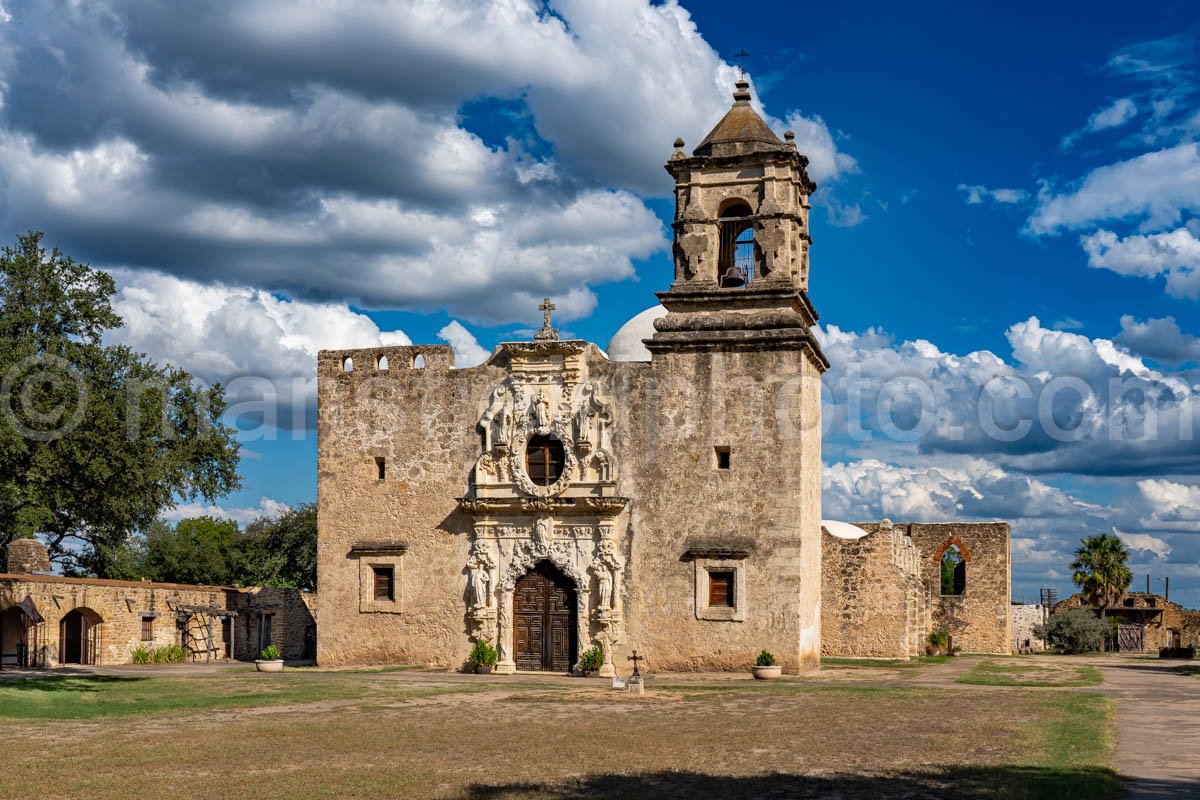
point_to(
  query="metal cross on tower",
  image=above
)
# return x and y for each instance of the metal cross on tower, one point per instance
(741, 56)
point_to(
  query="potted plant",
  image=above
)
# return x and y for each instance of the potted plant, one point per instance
(591, 661)
(765, 667)
(483, 656)
(938, 641)
(270, 661)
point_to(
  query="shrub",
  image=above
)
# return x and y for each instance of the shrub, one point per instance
(483, 654)
(1073, 632)
(270, 653)
(765, 659)
(168, 654)
(939, 639)
(592, 659)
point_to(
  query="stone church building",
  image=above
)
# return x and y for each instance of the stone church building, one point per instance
(663, 497)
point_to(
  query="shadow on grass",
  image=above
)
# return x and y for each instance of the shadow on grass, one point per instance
(68, 683)
(947, 782)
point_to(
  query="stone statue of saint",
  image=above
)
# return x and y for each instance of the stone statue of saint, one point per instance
(481, 565)
(541, 411)
(543, 532)
(608, 571)
(496, 432)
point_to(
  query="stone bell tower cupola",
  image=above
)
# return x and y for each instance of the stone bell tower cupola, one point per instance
(741, 239)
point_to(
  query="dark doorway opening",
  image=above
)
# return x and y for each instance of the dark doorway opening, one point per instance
(544, 620)
(79, 637)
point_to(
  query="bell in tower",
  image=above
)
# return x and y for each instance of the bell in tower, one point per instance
(741, 239)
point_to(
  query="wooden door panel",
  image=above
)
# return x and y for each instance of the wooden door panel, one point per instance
(544, 635)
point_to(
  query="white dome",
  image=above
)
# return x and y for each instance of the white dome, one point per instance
(627, 345)
(842, 530)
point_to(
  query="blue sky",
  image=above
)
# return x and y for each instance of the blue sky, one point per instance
(1004, 192)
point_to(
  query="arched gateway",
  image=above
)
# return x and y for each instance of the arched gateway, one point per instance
(544, 628)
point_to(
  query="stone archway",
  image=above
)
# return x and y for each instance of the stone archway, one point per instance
(79, 637)
(545, 629)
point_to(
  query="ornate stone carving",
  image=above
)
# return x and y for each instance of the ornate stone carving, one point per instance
(480, 565)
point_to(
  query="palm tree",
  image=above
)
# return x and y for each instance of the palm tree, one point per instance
(1101, 570)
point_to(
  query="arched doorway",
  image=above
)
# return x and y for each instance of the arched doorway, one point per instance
(12, 637)
(545, 638)
(79, 637)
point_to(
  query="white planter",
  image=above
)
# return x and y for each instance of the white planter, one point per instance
(268, 666)
(767, 673)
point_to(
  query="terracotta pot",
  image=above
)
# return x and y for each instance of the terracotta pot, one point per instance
(275, 665)
(766, 673)
(483, 669)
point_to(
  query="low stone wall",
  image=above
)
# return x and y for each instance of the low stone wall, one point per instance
(115, 611)
(116, 608)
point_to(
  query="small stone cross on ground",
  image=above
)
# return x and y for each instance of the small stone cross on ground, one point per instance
(636, 659)
(548, 332)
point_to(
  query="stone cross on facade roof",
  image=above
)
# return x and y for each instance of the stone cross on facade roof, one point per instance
(548, 332)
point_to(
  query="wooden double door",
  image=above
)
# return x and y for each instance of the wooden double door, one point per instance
(544, 620)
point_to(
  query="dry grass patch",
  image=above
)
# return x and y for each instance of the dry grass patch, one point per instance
(991, 673)
(406, 737)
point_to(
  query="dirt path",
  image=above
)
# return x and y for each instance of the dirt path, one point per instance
(1158, 728)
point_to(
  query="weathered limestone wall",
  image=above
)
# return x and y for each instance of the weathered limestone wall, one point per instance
(117, 608)
(874, 603)
(669, 415)
(293, 624)
(1025, 617)
(119, 604)
(979, 618)
(764, 406)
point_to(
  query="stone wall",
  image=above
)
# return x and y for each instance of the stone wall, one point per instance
(293, 623)
(1025, 617)
(116, 609)
(118, 606)
(978, 620)
(874, 603)
(668, 416)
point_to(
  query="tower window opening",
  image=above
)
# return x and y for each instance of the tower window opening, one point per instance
(735, 265)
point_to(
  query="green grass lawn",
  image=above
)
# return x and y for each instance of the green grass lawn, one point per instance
(64, 697)
(991, 673)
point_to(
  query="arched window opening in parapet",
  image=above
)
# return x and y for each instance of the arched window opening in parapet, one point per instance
(419, 362)
(347, 364)
(735, 263)
(545, 460)
(954, 571)
(381, 364)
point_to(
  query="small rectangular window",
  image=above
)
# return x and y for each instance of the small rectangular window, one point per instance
(147, 629)
(385, 583)
(722, 453)
(380, 467)
(720, 589)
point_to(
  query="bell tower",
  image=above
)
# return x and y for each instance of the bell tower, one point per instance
(741, 240)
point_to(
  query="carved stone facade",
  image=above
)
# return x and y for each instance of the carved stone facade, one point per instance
(716, 437)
